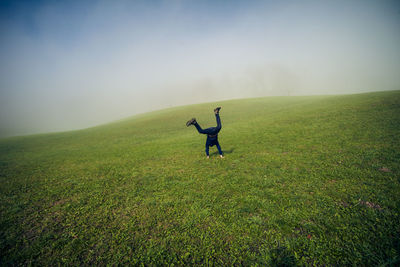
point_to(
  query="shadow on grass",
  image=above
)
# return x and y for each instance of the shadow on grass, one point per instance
(230, 151)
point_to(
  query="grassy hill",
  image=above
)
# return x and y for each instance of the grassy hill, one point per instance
(305, 180)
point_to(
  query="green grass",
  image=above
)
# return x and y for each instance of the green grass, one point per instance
(301, 184)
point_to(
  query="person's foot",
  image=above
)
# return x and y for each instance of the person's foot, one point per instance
(221, 156)
(208, 157)
(191, 122)
(216, 110)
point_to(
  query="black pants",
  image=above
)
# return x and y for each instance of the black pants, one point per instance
(212, 135)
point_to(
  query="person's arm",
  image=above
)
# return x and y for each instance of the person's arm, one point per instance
(219, 149)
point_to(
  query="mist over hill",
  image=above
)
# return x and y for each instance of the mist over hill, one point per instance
(70, 65)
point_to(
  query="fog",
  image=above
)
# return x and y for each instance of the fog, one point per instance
(73, 65)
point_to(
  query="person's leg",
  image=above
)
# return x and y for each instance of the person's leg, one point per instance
(219, 126)
(204, 131)
(199, 129)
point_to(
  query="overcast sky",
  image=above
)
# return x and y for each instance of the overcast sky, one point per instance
(74, 64)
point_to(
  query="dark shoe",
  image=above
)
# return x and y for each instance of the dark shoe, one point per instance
(191, 122)
(216, 111)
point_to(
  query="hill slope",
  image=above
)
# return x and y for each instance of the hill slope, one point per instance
(305, 180)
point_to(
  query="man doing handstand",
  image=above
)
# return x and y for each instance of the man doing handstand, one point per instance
(212, 133)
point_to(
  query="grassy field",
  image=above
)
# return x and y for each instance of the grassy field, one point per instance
(305, 181)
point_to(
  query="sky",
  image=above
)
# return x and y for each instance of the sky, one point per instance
(68, 65)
